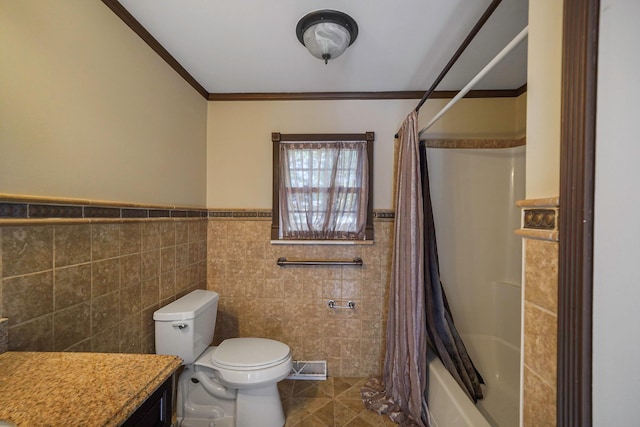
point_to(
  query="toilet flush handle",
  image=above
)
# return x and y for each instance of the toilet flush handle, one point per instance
(180, 326)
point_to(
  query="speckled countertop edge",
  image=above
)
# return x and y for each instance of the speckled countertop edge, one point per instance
(92, 389)
(134, 403)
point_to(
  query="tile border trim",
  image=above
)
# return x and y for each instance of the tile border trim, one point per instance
(266, 214)
(32, 208)
(471, 143)
(545, 202)
(539, 218)
(551, 236)
(28, 211)
(17, 209)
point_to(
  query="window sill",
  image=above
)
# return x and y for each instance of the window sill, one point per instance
(322, 242)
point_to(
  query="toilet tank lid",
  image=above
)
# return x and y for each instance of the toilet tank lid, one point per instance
(187, 307)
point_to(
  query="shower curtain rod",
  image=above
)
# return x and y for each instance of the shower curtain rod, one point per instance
(504, 52)
(465, 43)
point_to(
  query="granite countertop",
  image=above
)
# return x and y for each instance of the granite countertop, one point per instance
(88, 389)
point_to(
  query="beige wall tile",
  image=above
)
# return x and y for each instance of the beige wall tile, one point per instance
(150, 291)
(182, 279)
(105, 276)
(182, 255)
(194, 252)
(237, 260)
(196, 231)
(106, 341)
(182, 233)
(541, 273)
(105, 311)
(4, 334)
(167, 285)
(168, 259)
(131, 299)
(105, 241)
(150, 263)
(540, 332)
(26, 250)
(130, 269)
(1, 305)
(540, 342)
(151, 236)
(72, 285)
(94, 297)
(257, 297)
(539, 402)
(167, 234)
(34, 335)
(130, 238)
(131, 334)
(147, 322)
(72, 244)
(27, 297)
(82, 346)
(71, 326)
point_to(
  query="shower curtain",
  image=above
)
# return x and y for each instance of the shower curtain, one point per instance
(443, 335)
(417, 304)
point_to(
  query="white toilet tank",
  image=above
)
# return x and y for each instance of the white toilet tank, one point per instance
(184, 328)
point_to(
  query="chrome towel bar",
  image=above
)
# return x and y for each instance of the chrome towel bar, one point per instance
(282, 261)
(350, 305)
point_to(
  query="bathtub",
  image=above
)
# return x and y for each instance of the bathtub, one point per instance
(499, 364)
(449, 406)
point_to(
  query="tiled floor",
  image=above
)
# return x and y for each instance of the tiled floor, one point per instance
(335, 402)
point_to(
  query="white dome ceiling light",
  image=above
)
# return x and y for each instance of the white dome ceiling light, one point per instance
(327, 33)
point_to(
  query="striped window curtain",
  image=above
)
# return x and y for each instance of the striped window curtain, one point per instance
(323, 190)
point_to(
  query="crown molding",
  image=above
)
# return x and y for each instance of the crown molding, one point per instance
(142, 32)
(325, 96)
(154, 44)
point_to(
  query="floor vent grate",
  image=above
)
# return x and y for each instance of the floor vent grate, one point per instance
(308, 370)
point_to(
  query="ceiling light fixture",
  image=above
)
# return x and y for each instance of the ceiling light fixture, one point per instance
(327, 33)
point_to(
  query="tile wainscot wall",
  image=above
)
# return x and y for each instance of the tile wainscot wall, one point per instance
(540, 232)
(289, 303)
(94, 286)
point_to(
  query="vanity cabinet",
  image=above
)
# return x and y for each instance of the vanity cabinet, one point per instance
(157, 410)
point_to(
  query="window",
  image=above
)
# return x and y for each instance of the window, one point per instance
(322, 186)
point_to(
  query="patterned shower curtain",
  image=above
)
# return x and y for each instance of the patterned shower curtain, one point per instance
(417, 305)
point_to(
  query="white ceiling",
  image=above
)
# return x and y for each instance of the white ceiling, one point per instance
(249, 46)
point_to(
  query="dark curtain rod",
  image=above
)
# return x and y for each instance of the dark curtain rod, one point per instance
(465, 43)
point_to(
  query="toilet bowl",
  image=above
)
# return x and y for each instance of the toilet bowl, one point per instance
(230, 385)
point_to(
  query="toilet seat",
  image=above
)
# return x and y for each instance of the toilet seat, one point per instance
(271, 362)
(244, 354)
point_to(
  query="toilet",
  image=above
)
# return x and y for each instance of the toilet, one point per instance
(233, 384)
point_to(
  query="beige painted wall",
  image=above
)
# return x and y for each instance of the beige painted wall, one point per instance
(543, 98)
(239, 148)
(90, 111)
(521, 115)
